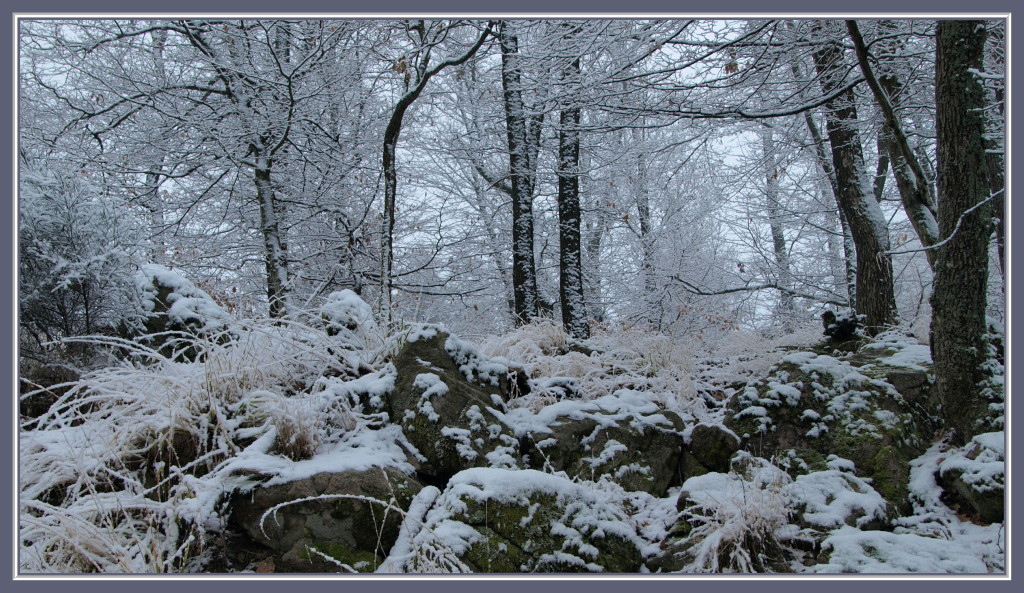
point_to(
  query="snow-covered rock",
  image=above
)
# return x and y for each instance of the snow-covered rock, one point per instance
(976, 475)
(504, 520)
(449, 401)
(177, 310)
(624, 437)
(812, 405)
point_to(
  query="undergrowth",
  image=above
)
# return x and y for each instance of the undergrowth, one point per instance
(112, 475)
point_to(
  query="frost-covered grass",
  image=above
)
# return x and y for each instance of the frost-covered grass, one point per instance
(738, 518)
(757, 518)
(741, 355)
(612, 359)
(128, 470)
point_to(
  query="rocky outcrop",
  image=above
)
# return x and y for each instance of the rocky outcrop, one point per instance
(974, 477)
(177, 311)
(813, 405)
(709, 448)
(328, 521)
(449, 400)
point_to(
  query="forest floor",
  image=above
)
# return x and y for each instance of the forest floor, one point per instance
(134, 467)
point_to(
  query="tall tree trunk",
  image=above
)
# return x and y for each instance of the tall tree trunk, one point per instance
(594, 238)
(275, 248)
(849, 249)
(825, 164)
(994, 160)
(875, 295)
(570, 264)
(640, 190)
(524, 274)
(643, 210)
(786, 311)
(389, 155)
(390, 172)
(961, 268)
(916, 192)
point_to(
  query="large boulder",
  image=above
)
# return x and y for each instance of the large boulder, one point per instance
(510, 521)
(449, 400)
(812, 405)
(624, 436)
(349, 321)
(319, 523)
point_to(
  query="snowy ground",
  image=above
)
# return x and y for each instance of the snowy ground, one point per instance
(87, 504)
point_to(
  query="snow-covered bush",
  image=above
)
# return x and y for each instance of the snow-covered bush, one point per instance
(738, 519)
(78, 250)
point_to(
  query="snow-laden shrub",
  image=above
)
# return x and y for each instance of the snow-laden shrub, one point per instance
(738, 519)
(105, 471)
(296, 421)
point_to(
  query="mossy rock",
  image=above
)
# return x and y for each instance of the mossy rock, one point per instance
(445, 398)
(529, 521)
(639, 452)
(339, 557)
(974, 477)
(540, 548)
(712, 446)
(346, 515)
(816, 405)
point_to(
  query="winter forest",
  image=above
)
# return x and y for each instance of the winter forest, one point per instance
(658, 296)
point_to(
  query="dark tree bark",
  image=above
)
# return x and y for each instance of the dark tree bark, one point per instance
(915, 189)
(875, 295)
(517, 122)
(961, 268)
(570, 264)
